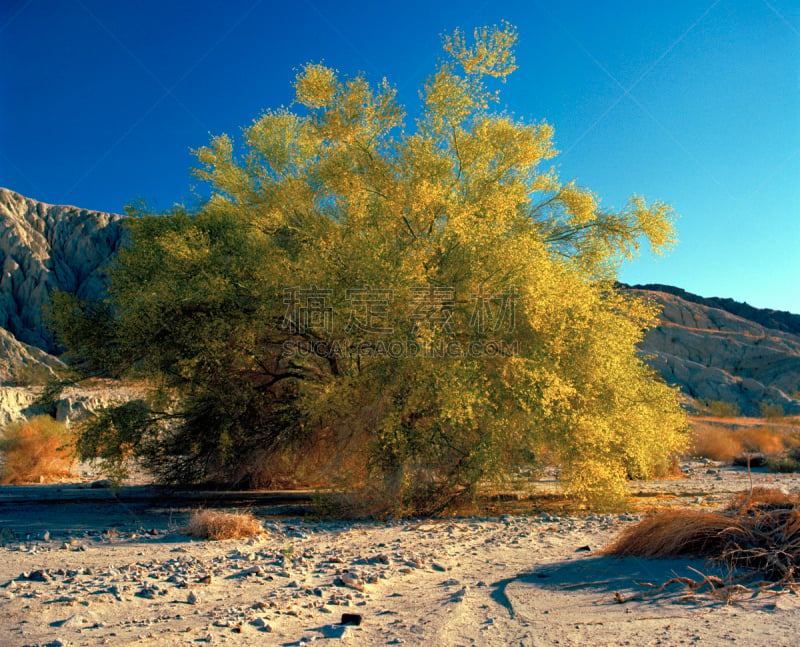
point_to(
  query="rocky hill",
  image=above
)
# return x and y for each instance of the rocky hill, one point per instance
(43, 248)
(725, 352)
(774, 319)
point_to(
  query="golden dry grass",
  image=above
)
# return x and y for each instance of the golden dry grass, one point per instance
(215, 525)
(722, 443)
(714, 442)
(763, 439)
(36, 451)
(759, 530)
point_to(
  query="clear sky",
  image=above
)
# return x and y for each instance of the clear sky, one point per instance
(696, 102)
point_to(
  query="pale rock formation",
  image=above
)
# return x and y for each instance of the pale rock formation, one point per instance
(713, 354)
(73, 404)
(21, 364)
(45, 247)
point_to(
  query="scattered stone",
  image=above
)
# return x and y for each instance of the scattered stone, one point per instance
(192, 598)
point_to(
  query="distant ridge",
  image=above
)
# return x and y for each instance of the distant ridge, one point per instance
(721, 350)
(775, 319)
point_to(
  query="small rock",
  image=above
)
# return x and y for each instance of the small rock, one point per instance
(459, 595)
(351, 619)
(147, 592)
(38, 576)
(192, 598)
(263, 625)
(73, 621)
(336, 631)
(353, 582)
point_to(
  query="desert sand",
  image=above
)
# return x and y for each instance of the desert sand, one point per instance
(93, 573)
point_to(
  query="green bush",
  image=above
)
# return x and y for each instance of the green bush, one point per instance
(783, 464)
(722, 408)
(768, 410)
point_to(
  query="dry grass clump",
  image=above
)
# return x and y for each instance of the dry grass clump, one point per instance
(37, 450)
(715, 443)
(215, 525)
(724, 444)
(763, 440)
(759, 530)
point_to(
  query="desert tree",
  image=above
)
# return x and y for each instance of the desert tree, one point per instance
(420, 306)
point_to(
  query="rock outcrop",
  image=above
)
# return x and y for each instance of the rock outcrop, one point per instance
(17, 402)
(45, 247)
(716, 355)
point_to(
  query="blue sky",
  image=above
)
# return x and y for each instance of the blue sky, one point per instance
(693, 102)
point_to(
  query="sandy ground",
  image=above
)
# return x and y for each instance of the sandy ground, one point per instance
(118, 574)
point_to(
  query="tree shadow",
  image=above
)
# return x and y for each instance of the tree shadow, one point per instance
(607, 582)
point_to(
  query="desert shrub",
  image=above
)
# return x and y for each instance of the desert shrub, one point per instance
(722, 408)
(768, 410)
(32, 375)
(215, 525)
(36, 450)
(432, 300)
(759, 530)
(783, 464)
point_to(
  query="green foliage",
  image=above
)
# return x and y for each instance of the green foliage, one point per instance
(783, 464)
(444, 222)
(721, 408)
(768, 410)
(31, 375)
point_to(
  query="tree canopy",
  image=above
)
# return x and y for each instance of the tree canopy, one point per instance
(410, 309)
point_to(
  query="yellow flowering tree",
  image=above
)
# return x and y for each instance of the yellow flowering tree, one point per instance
(421, 308)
